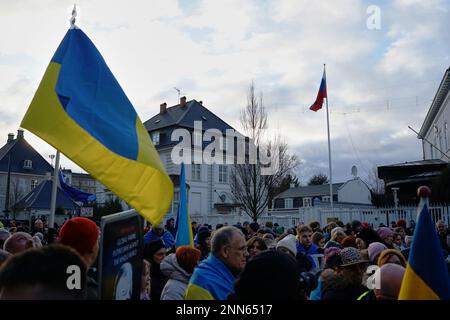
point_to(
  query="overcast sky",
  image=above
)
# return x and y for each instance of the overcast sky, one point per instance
(379, 80)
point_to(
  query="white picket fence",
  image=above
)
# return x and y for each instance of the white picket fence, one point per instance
(290, 218)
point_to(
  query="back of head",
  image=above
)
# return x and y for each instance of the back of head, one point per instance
(202, 235)
(79, 233)
(268, 276)
(18, 242)
(349, 241)
(368, 236)
(391, 276)
(44, 274)
(223, 237)
(288, 242)
(151, 248)
(375, 249)
(385, 257)
(188, 258)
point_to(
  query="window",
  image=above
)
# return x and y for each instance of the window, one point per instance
(307, 202)
(28, 164)
(223, 174)
(155, 138)
(326, 198)
(195, 171)
(288, 203)
(34, 183)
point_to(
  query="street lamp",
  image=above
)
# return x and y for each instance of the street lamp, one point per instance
(52, 156)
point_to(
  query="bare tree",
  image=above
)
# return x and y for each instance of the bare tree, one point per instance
(375, 184)
(250, 187)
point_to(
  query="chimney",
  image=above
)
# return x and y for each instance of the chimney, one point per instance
(292, 185)
(20, 134)
(163, 108)
(183, 102)
(10, 137)
(201, 102)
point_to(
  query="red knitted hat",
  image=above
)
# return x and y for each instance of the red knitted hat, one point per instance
(188, 257)
(79, 233)
(349, 241)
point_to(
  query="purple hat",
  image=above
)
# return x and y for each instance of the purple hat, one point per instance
(385, 232)
(374, 249)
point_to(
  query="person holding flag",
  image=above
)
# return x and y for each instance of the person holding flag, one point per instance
(426, 276)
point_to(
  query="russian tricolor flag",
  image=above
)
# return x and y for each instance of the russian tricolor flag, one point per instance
(317, 105)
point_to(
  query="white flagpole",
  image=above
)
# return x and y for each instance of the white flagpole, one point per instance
(329, 144)
(56, 170)
(54, 191)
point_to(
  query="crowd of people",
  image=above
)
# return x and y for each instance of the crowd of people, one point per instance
(243, 261)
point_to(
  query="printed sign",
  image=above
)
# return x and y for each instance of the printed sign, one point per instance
(121, 254)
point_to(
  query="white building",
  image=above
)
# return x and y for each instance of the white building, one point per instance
(353, 193)
(436, 125)
(209, 191)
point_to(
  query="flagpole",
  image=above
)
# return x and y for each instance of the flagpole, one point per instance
(54, 191)
(329, 144)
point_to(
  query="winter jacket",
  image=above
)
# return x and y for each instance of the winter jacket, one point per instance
(335, 287)
(167, 238)
(178, 279)
(211, 280)
(308, 252)
(157, 281)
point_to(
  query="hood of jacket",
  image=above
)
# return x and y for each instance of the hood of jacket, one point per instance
(171, 269)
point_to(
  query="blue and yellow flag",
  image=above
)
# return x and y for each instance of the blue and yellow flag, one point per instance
(184, 235)
(426, 276)
(81, 110)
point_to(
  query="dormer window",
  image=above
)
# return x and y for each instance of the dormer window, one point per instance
(155, 138)
(27, 164)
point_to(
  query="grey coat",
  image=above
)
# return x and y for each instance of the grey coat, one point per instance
(178, 279)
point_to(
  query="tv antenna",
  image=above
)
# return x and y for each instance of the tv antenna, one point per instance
(179, 92)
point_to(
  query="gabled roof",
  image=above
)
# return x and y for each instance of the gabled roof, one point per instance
(40, 197)
(416, 163)
(185, 116)
(20, 150)
(439, 98)
(310, 191)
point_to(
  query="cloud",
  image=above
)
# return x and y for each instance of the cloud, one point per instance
(379, 81)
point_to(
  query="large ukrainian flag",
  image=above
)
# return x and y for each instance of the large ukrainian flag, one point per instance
(81, 110)
(426, 276)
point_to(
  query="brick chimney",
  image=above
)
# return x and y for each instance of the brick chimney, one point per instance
(10, 137)
(163, 108)
(183, 102)
(20, 134)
